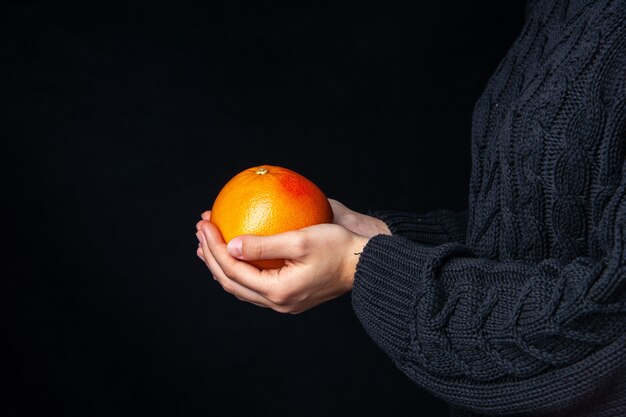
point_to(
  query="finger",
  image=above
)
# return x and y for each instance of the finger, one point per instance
(200, 223)
(206, 215)
(199, 253)
(288, 245)
(335, 203)
(343, 216)
(231, 286)
(238, 271)
(336, 206)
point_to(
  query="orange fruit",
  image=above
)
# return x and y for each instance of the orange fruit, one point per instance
(266, 200)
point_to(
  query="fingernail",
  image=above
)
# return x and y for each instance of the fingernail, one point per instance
(235, 247)
(199, 236)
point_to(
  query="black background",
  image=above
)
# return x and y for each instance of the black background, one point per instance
(123, 121)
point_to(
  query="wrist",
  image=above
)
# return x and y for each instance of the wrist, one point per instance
(352, 259)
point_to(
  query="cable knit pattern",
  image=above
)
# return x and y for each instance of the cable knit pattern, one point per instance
(522, 312)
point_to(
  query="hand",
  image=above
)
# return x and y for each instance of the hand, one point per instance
(361, 224)
(320, 262)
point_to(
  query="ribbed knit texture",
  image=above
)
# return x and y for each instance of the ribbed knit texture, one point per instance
(436, 227)
(518, 307)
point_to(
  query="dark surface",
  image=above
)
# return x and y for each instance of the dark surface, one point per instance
(124, 122)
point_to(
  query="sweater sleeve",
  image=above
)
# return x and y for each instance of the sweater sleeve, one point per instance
(498, 337)
(436, 227)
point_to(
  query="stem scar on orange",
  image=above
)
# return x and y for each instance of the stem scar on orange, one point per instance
(266, 200)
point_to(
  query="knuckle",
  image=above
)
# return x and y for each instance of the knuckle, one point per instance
(228, 268)
(255, 249)
(279, 298)
(227, 287)
(301, 242)
(282, 309)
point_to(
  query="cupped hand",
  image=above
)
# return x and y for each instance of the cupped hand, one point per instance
(356, 222)
(320, 262)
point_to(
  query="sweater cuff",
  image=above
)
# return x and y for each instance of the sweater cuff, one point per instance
(384, 293)
(436, 227)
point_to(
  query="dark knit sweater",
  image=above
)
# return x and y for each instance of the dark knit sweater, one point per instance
(518, 306)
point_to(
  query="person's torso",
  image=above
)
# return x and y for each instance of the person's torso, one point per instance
(548, 136)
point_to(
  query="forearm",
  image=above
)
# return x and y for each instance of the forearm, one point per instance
(491, 336)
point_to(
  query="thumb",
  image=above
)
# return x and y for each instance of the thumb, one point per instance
(279, 246)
